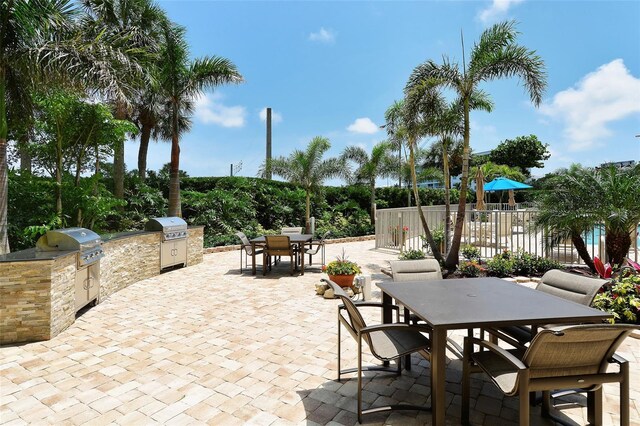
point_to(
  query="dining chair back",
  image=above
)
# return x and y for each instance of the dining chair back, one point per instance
(278, 245)
(564, 357)
(246, 246)
(415, 270)
(291, 230)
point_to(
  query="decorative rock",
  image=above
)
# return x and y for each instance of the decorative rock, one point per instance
(321, 288)
(329, 294)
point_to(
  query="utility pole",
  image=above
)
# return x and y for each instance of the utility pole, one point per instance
(268, 161)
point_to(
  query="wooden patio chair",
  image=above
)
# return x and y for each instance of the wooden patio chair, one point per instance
(558, 358)
(387, 342)
(278, 245)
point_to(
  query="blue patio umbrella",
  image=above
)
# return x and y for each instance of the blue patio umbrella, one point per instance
(504, 184)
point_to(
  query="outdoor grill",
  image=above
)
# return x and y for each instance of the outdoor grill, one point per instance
(88, 245)
(173, 248)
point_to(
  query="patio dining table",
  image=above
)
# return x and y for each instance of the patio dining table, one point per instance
(299, 239)
(476, 303)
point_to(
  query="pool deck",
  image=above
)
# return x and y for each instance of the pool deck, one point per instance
(208, 345)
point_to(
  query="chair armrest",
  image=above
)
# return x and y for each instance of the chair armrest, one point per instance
(617, 359)
(396, 326)
(502, 353)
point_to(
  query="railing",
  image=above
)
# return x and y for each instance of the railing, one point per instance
(491, 231)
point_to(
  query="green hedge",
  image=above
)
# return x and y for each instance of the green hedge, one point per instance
(223, 205)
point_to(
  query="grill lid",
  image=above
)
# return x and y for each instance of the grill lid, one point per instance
(87, 242)
(171, 227)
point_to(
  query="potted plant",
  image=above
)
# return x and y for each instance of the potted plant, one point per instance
(342, 271)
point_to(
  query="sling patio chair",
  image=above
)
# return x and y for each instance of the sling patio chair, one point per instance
(248, 249)
(278, 245)
(564, 357)
(577, 288)
(291, 230)
(387, 342)
(319, 246)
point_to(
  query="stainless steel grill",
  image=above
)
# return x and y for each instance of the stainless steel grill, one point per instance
(172, 228)
(173, 249)
(88, 244)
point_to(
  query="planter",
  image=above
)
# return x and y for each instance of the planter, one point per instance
(343, 280)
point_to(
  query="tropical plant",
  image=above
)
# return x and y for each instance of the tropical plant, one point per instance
(341, 266)
(307, 169)
(181, 81)
(142, 21)
(411, 254)
(576, 201)
(472, 269)
(500, 266)
(496, 55)
(39, 43)
(370, 167)
(470, 252)
(621, 298)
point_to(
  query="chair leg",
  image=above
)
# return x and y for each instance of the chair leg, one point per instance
(339, 338)
(624, 394)
(265, 257)
(546, 403)
(594, 407)
(523, 392)
(241, 260)
(359, 379)
(466, 385)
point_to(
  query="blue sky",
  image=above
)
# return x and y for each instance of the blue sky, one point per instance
(332, 69)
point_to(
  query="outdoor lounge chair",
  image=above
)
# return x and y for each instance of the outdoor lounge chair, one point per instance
(387, 342)
(291, 230)
(248, 250)
(572, 287)
(278, 245)
(319, 246)
(558, 358)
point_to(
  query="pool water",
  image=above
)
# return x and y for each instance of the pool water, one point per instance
(593, 237)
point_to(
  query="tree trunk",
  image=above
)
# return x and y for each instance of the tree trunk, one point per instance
(308, 212)
(581, 247)
(25, 155)
(59, 176)
(447, 197)
(145, 136)
(4, 173)
(617, 245)
(174, 178)
(414, 180)
(453, 256)
(373, 202)
(118, 158)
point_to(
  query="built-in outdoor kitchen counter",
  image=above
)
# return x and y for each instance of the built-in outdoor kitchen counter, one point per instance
(38, 288)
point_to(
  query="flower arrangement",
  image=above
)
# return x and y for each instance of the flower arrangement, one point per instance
(621, 297)
(341, 266)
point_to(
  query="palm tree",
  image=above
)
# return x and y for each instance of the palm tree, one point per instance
(496, 55)
(396, 132)
(370, 167)
(577, 200)
(183, 80)
(307, 169)
(143, 21)
(39, 44)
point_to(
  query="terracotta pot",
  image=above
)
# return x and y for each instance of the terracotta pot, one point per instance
(343, 280)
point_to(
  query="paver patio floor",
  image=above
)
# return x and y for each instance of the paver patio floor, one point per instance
(206, 345)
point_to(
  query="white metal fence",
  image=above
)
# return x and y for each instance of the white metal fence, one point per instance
(492, 231)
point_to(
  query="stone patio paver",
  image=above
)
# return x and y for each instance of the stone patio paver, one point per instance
(207, 345)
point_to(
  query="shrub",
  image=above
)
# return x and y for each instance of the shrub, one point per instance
(529, 264)
(500, 266)
(341, 266)
(411, 254)
(471, 268)
(621, 297)
(471, 253)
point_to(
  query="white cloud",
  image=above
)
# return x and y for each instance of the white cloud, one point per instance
(496, 11)
(606, 95)
(363, 125)
(210, 109)
(276, 117)
(323, 36)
